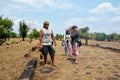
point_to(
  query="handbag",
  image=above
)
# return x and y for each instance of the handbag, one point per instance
(79, 43)
(41, 55)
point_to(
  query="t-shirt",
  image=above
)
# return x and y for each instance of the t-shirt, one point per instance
(75, 36)
(46, 39)
(67, 37)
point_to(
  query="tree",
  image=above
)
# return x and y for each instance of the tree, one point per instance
(13, 35)
(108, 38)
(113, 35)
(2, 32)
(100, 36)
(5, 28)
(91, 36)
(23, 30)
(59, 36)
(34, 34)
(84, 34)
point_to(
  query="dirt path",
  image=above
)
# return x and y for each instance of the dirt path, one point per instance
(94, 63)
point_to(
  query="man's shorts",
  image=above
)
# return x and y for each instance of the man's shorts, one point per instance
(48, 48)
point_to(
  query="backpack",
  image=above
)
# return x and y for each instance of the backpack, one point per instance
(79, 43)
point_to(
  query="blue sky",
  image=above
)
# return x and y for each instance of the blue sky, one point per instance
(98, 15)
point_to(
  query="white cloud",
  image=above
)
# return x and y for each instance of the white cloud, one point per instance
(31, 23)
(97, 24)
(74, 21)
(105, 8)
(86, 20)
(92, 19)
(115, 19)
(16, 25)
(16, 22)
(117, 10)
(40, 5)
(34, 3)
(18, 6)
(66, 5)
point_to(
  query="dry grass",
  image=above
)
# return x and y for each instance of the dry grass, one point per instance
(94, 63)
(106, 43)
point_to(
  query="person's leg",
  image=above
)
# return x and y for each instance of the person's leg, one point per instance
(44, 52)
(76, 59)
(70, 50)
(45, 60)
(65, 49)
(52, 54)
(76, 54)
(53, 61)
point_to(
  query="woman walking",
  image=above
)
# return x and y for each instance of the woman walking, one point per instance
(75, 36)
(67, 43)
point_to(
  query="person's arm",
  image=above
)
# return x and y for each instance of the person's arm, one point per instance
(53, 38)
(40, 38)
(64, 37)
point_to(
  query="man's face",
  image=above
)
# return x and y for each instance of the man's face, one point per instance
(46, 25)
(76, 29)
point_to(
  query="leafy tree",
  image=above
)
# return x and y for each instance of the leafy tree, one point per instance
(23, 30)
(59, 36)
(91, 36)
(84, 34)
(100, 36)
(108, 38)
(13, 35)
(112, 37)
(2, 32)
(5, 28)
(34, 34)
(117, 37)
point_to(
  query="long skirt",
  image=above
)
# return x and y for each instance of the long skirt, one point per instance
(68, 48)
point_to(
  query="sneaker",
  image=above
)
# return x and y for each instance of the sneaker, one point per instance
(75, 63)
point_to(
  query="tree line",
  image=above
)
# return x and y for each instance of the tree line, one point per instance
(5, 29)
(6, 32)
(99, 36)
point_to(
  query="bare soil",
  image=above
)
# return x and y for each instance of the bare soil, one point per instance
(94, 63)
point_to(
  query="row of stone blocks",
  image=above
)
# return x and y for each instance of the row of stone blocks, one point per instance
(29, 69)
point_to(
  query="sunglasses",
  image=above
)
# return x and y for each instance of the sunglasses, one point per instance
(46, 24)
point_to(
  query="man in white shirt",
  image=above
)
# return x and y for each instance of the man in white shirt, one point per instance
(46, 38)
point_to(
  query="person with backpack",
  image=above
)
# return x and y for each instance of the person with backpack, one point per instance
(75, 36)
